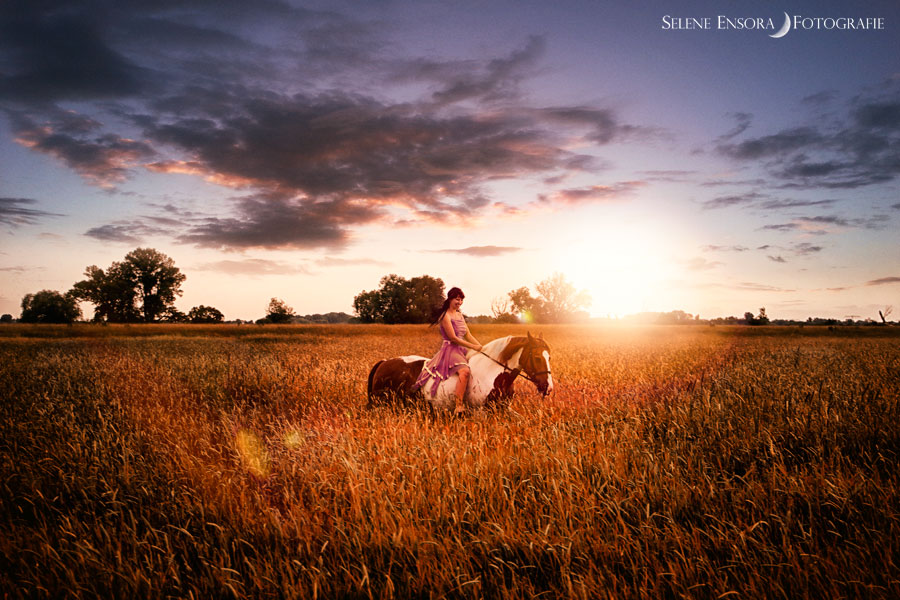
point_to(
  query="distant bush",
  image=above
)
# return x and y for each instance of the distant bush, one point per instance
(205, 314)
(49, 306)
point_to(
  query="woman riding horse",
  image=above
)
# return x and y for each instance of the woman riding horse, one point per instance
(451, 357)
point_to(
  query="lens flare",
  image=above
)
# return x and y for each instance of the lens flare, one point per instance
(252, 453)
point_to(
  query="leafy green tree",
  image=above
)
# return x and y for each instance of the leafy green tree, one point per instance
(279, 312)
(143, 287)
(427, 294)
(205, 314)
(157, 281)
(400, 300)
(367, 306)
(112, 292)
(49, 306)
(396, 297)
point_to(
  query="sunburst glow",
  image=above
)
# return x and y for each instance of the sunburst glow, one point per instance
(624, 269)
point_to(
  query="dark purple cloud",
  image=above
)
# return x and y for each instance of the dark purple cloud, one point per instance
(57, 52)
(782, 204)
(861, 147)
(281, 223)
(733, 200)
(823, 223)
(15, 212)
(884, 281)
(594, 193)
(340, 146)
(290, 117)
(104, 159)
(781, 227)
(493, 80)
(805, 248)
(126, 232)
(742, 123)
(780, 143)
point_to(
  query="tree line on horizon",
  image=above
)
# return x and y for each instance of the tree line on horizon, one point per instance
(418, 300)
(143, 287)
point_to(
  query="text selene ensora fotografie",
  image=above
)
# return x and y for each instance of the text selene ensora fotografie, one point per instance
(776, 27)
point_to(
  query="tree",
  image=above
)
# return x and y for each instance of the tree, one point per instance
(501, 311)
(396, 297)
(205, 314)
(427, 294)
(157, 280)
(400, 300)
(6, 318)
(143, 287)
(528, 307)
(279, 312)
(561, 300)
(366, 305)
(762, 319)
(885, 314)
(49, 306)
(112, 293)
(558, 301)
(173, 315)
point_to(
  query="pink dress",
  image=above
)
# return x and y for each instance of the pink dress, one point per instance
(448, 360)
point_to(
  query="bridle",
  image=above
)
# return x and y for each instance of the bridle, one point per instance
(520, 372)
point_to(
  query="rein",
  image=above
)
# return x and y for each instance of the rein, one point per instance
(518, 372)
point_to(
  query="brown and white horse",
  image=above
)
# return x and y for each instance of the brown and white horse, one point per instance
(492, 374)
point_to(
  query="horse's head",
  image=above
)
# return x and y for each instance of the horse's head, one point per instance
(535, 362)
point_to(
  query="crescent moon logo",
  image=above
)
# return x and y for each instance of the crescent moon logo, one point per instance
(784, 28)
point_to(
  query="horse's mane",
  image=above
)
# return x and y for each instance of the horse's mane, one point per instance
(502, 349)
(495, 347)
(515, 344)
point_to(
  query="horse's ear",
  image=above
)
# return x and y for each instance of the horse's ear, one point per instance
(541, 336)
(529, 336)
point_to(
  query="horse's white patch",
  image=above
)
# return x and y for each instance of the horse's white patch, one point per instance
(546, 356)
(411, 358)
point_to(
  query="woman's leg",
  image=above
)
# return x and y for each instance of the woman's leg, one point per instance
(461, 385)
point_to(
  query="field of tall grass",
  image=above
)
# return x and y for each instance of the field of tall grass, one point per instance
(676, 462)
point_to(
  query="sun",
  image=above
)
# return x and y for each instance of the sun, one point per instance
(624, 270)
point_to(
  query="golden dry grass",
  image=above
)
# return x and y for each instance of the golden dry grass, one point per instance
(222, 461)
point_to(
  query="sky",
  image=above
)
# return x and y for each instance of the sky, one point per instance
(661, 155)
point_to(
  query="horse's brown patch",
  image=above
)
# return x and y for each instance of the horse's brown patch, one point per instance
(503, 387)
(393, 378)
(515, 344)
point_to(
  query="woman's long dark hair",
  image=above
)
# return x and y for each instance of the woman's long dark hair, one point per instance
(438, 312)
